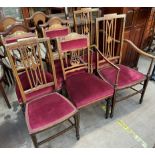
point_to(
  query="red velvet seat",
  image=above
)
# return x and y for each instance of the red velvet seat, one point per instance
(127, 76)
(43, 112)
(26, 86)
(84, 89)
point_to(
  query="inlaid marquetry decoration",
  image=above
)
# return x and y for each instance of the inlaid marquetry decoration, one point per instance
(74, 52)
(107, 39)
(31, 65)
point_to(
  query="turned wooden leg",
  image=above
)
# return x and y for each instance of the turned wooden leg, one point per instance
(144, 89)
(77, 120)
(107, 108)
(4, 95)
(113, 104)
(34, 140)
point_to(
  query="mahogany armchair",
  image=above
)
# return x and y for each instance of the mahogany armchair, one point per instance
(110, 46)
(35, 89)
(83, 88)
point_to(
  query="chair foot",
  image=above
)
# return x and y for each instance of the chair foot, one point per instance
(76, 119)
(5, 97)
(34, 140)
(111, 115)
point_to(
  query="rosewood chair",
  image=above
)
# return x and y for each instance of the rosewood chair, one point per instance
(110, 40)
(35, 89)
(83, 88)
(55, 28)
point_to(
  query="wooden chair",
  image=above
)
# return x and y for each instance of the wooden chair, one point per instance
(83, 88)
(11, 35)
(35, 89)
(6, 22)
(1, 86)
(37, 19)
(109, 45)
(84, 22)
(152, 36)
(54, 28)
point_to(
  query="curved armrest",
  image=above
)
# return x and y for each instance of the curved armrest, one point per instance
(94, 46)
(138, 50)
(113, 65)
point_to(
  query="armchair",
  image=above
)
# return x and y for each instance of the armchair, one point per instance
(111, 48)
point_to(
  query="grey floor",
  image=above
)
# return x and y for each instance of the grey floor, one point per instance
(133, 125)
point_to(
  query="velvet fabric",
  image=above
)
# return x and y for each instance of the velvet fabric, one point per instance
(127, 76)
(73, 44)
(84, 89)
(26, 86)
(14, 39)
(57, 33)
(47, 111)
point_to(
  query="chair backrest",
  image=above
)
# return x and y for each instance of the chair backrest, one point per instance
(15, 32)
(109, 36)
(34, 74)
(74, 53)
(38, 18)
(6, 22)
(84, 22)
(55, 27)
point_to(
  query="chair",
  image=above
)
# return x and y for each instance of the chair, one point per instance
(84, 23)
(6, 22)
(110, 45)
(83, 88)
(56, 27)
(36, 19)
(11, 35)
(35, 89)
(1, 87)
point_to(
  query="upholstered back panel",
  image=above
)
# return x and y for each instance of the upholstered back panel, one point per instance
(74, 49)
(73, 42)
(57, 32)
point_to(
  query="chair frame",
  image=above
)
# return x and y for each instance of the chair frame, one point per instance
(20, 44)
(111, 57)
(85, 65)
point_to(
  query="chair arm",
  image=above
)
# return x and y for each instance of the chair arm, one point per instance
(138, 50)
(113, 65)
(94, 46)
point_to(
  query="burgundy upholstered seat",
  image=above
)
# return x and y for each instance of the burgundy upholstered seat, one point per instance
(26, 86)
(127, 76)
(84, 89)
(47, 111)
